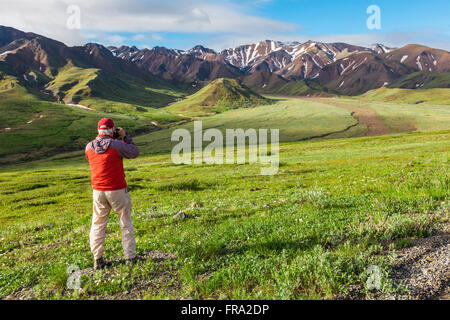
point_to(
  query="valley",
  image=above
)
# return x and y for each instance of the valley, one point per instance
(363, 171)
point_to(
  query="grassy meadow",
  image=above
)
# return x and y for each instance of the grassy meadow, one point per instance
(439, 96)
(335, 207)
(401, 117)
(296, 119)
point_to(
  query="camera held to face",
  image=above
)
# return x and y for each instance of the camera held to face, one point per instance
(116, 133)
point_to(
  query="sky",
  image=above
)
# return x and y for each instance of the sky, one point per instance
(223, 24)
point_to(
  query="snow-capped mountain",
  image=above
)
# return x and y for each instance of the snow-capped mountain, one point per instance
(265, 65)
(344, 67)
(290, 60)
(381, 48)
(282, 54)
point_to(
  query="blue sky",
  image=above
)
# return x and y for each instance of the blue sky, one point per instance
(227, 23)
(348, 17)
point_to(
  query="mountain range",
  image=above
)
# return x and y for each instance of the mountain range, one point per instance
(339, 67)
(267, 67)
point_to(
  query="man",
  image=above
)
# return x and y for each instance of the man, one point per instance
(105, 155)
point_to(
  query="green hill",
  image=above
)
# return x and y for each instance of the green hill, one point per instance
(108, 92)
(430, 96)
(301, 88)
(218, 96)
(423, 80)
(36, 124)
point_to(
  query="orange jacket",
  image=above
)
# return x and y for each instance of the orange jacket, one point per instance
(105, 156)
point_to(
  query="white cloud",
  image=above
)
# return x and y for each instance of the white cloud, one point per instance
(219, 23)
(200, 15)
(157, 37)
(115, 39)
(139, 37)
(49, 17)
(393, 39)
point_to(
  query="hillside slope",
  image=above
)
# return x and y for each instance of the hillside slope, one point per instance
(422, 58)
(31, 128)
(98, 89)
(423, 80)
(430, 96)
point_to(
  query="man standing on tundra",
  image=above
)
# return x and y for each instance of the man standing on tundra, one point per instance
(105, 155)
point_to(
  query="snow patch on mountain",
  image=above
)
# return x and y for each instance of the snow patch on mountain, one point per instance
(381, 48)
(418, 63)
(5, 53)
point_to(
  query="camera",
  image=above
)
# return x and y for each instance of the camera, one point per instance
(116, 133)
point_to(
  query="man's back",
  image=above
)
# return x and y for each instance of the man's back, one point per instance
(105, 159)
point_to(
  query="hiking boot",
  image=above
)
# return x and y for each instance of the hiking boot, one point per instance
(99, 263)
(131, 261)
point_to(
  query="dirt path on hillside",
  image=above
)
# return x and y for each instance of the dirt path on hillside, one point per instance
(366, 116)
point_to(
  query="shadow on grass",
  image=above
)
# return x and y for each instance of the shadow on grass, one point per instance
(187, 185)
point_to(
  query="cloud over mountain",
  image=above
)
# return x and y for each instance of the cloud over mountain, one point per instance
(49, 17)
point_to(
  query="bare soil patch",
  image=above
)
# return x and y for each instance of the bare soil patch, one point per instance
(421, 272)
(424, 268)
(366, 116)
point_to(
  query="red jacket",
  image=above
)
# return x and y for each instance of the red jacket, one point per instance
(105, 156)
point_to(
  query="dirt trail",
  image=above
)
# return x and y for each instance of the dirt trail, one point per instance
(366, 116)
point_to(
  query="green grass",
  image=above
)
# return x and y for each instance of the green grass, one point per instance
(92, 87)
(299, 88)
(55, 127)
(307, 233)
(296, 119)
(159, 116)
(334, 208)
(431, 96)
(401, 117)
(218, 96)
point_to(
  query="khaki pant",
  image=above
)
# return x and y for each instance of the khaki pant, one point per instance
(120, 202)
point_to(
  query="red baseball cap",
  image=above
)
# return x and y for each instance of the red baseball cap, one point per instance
(105, 123)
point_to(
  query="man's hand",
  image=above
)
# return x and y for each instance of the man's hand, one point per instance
(121, 132)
